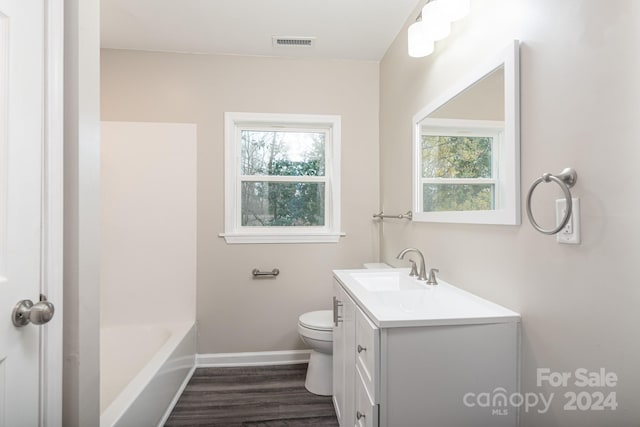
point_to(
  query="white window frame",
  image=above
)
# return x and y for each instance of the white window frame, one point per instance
(466, 128)
(234, 232)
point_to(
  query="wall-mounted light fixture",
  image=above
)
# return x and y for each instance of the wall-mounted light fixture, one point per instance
(434, 23)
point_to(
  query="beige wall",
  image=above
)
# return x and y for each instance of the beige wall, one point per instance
(580, 98)
(234, 312)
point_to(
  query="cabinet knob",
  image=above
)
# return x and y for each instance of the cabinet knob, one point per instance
(359, 415)
(361, 348)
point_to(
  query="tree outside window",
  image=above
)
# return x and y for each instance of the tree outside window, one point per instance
(288, 155)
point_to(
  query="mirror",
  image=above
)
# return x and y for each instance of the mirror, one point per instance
(466, 148)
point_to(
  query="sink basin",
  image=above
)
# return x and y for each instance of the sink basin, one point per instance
(387, 281)
(393, 299)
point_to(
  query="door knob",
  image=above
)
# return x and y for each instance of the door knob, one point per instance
(26, 312)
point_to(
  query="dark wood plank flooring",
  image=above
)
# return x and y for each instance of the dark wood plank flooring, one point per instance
(256, 396)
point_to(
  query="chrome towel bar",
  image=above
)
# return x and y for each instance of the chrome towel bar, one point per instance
(266, 274)
(408, 215)
(565, 179)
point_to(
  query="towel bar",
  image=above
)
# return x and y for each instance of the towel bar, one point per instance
(408, 215)
(270, 274)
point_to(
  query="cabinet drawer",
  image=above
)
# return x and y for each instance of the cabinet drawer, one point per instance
(368, 353)
(366, 410)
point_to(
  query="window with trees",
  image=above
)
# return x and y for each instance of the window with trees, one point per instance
(459, 166)
(282, 178)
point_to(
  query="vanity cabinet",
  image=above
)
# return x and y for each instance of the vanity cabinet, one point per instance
(413, 373)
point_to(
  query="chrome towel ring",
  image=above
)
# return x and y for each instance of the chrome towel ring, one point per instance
(565, 179)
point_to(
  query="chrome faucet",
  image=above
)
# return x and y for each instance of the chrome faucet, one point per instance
(422, 273)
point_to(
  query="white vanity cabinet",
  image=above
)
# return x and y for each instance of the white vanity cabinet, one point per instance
(420, 366)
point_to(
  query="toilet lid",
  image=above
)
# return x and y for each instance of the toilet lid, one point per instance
(321, 320)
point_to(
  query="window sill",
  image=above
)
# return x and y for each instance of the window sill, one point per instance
(244, 238)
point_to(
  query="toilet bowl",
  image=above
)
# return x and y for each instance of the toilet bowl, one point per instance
(316, 331)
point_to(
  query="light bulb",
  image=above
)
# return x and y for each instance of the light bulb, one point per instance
(418, 44)
(454, 10)
(436, 25)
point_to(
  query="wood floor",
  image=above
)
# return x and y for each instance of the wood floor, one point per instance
(257, 396)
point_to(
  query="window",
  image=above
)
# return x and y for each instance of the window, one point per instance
(282, 178)
(459, 170)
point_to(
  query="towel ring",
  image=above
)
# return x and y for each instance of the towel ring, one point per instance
(566, 179)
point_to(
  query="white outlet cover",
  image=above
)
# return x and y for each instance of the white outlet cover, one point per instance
(570, 234)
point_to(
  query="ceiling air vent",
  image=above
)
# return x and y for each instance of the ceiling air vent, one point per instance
(279, 41)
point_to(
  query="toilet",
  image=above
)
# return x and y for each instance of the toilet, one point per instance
(316, 331)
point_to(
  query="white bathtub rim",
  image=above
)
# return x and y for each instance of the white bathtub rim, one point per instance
(173, 403)
(119, 406)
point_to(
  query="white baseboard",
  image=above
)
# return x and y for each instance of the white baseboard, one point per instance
(252, 359)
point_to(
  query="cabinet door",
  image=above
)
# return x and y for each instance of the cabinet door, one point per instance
(344, 344)
(366, 410)
(368, 353)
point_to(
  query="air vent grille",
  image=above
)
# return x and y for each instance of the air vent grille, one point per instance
(279, 41)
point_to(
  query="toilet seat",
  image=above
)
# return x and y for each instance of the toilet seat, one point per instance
(321, 320)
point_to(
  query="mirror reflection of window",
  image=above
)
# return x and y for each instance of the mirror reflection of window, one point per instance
(458, 166)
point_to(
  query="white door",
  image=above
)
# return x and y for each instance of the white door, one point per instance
(22, 200)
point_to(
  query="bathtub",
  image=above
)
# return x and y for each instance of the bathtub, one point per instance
(143, 370)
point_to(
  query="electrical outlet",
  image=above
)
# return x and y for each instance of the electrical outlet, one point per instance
(570, 233)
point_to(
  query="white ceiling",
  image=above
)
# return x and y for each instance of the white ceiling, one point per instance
(344, 29)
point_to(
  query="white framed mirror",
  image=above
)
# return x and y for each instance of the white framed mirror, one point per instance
(466, 148)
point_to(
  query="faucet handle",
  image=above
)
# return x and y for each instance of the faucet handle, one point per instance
(414, 269)
(432, 277)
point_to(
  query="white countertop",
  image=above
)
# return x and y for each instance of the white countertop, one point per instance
(418, 304)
